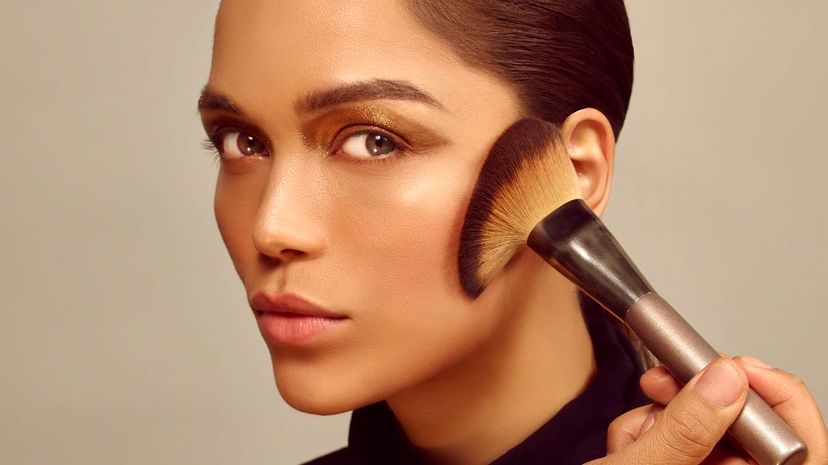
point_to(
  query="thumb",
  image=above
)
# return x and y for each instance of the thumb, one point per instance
(696, 419)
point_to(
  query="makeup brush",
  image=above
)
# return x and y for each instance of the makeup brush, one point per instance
(527, 194)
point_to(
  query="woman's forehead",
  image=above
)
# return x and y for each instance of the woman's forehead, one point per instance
(288, 48)
(318, 36)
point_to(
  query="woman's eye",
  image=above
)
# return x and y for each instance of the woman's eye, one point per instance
(236, 144)
(367, 145)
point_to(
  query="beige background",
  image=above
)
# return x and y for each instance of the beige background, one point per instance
(124, 334)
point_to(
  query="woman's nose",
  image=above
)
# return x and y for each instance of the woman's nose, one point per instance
(288, 224)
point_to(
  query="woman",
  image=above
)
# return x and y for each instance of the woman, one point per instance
(350, 137)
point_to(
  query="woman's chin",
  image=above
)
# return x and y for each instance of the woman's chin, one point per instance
(318, 402)
(319, 397)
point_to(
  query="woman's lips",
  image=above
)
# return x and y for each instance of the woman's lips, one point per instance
(293, 329)
(290, 319)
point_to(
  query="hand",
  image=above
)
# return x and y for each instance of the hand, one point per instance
(687, 431)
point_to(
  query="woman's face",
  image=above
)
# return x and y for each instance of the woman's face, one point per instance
(356, 204)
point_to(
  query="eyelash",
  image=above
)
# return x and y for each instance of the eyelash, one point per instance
(210, 147)
(401, 147)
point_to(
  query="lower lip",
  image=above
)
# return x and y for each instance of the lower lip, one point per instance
(295, 329)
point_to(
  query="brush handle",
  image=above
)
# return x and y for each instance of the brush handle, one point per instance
(577, 243)
(758, 429)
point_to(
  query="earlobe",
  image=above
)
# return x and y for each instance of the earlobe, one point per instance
(590, 142)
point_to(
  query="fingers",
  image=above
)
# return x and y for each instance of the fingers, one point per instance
(659, 385)
(786, 393)
(655, 412)
(625, 429)
(792, 401)
(695, 420)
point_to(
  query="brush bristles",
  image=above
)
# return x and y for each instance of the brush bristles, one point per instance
(526, 176)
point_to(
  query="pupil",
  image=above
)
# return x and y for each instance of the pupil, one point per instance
(378, 144)
(248, 144)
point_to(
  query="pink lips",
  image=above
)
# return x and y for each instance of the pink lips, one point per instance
(289, 319)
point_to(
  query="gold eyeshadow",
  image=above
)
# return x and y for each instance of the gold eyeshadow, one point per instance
(323, 128)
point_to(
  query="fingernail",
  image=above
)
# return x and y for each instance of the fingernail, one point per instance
(648, 422)
(657, 372)
(754, 361)
(720, 383)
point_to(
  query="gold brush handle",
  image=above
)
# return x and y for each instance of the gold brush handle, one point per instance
(758, 429)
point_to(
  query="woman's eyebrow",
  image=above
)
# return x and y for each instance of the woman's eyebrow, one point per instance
(373, 89)
(210, 100)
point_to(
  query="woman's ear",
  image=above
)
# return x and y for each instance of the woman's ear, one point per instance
(590, 143)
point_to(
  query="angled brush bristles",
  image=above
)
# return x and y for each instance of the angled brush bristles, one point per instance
(526, 176)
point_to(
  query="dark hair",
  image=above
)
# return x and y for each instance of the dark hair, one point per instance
(560, 55)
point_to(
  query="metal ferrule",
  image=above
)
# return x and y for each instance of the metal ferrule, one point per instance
(575, 241)
(577, 244)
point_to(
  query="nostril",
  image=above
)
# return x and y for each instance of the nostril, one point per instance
(291, 253)
(277, 255)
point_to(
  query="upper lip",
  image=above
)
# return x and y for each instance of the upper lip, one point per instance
(286, 302)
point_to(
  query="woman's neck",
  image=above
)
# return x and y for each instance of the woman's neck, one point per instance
(476, 410)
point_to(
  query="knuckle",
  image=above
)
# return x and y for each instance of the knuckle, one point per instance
(622, 423)
(615, 427)
(793, 388)
(688, 434)
(798, 382)
(792, 378)
(799, 388)
(619, 431)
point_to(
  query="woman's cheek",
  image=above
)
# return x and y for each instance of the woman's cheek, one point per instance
(235, 204)
(415, 313)
(405, 217)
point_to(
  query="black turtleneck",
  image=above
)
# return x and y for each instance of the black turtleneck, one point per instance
(574, 435)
